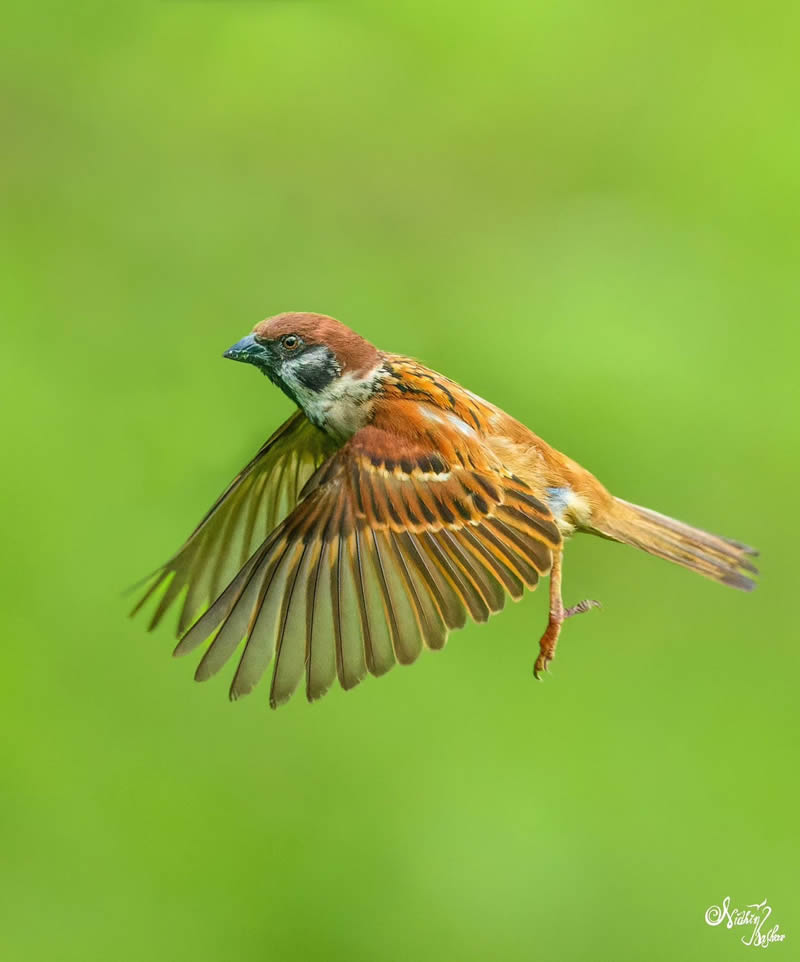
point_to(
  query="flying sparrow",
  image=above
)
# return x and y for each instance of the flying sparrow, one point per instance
(393, 504)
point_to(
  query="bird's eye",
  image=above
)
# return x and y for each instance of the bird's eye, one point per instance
(290, 342)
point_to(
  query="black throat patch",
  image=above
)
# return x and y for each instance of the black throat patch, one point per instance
(316, 368)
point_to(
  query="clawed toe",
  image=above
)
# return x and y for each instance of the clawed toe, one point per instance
(581, 607)
(542, 664)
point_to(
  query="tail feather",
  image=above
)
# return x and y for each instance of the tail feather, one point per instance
(715, 557)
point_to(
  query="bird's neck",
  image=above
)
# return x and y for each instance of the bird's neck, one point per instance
(345, 405)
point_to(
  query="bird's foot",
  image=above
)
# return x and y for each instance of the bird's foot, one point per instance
(542, 663)
(581, 607)
(547, 647)
(547, 644)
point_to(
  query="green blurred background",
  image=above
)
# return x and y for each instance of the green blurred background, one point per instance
(586, 212)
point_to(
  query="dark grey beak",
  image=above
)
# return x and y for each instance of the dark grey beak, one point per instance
(250, 351)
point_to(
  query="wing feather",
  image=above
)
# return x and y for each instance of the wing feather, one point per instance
(407, 640)
(252, 505)
(259, 648)
(472, 567)
(290, 647)
(432, 626)
(454, 612)
(382, 617)
(362, 600)
(499, 566)
(382, 553)
(353, 662)
(320, 646)
(463, 587)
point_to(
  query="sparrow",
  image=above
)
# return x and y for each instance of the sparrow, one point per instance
(389, 508)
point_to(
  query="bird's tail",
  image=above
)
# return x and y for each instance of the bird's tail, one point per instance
(715, 557)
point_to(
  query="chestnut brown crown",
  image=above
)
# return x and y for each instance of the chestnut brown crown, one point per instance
(353, 353)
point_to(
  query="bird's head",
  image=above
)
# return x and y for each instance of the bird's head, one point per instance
(317, 361)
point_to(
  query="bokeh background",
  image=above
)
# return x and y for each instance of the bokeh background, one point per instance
(586, 212)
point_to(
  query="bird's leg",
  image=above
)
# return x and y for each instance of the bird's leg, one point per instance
(548, 641)
(558, 614)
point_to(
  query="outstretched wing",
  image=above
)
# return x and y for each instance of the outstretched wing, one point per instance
(252, 505)
(386, 551)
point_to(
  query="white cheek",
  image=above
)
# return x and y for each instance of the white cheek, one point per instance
(299, 390)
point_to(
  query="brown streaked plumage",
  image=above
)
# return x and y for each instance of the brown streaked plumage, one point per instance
(389, 508)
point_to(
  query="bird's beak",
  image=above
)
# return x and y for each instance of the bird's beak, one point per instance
(250, 351)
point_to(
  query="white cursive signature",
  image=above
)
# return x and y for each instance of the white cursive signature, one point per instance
(754, 915)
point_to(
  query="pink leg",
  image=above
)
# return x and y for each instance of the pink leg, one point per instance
(558, 614)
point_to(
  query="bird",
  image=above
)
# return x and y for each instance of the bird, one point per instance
(389, 508)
